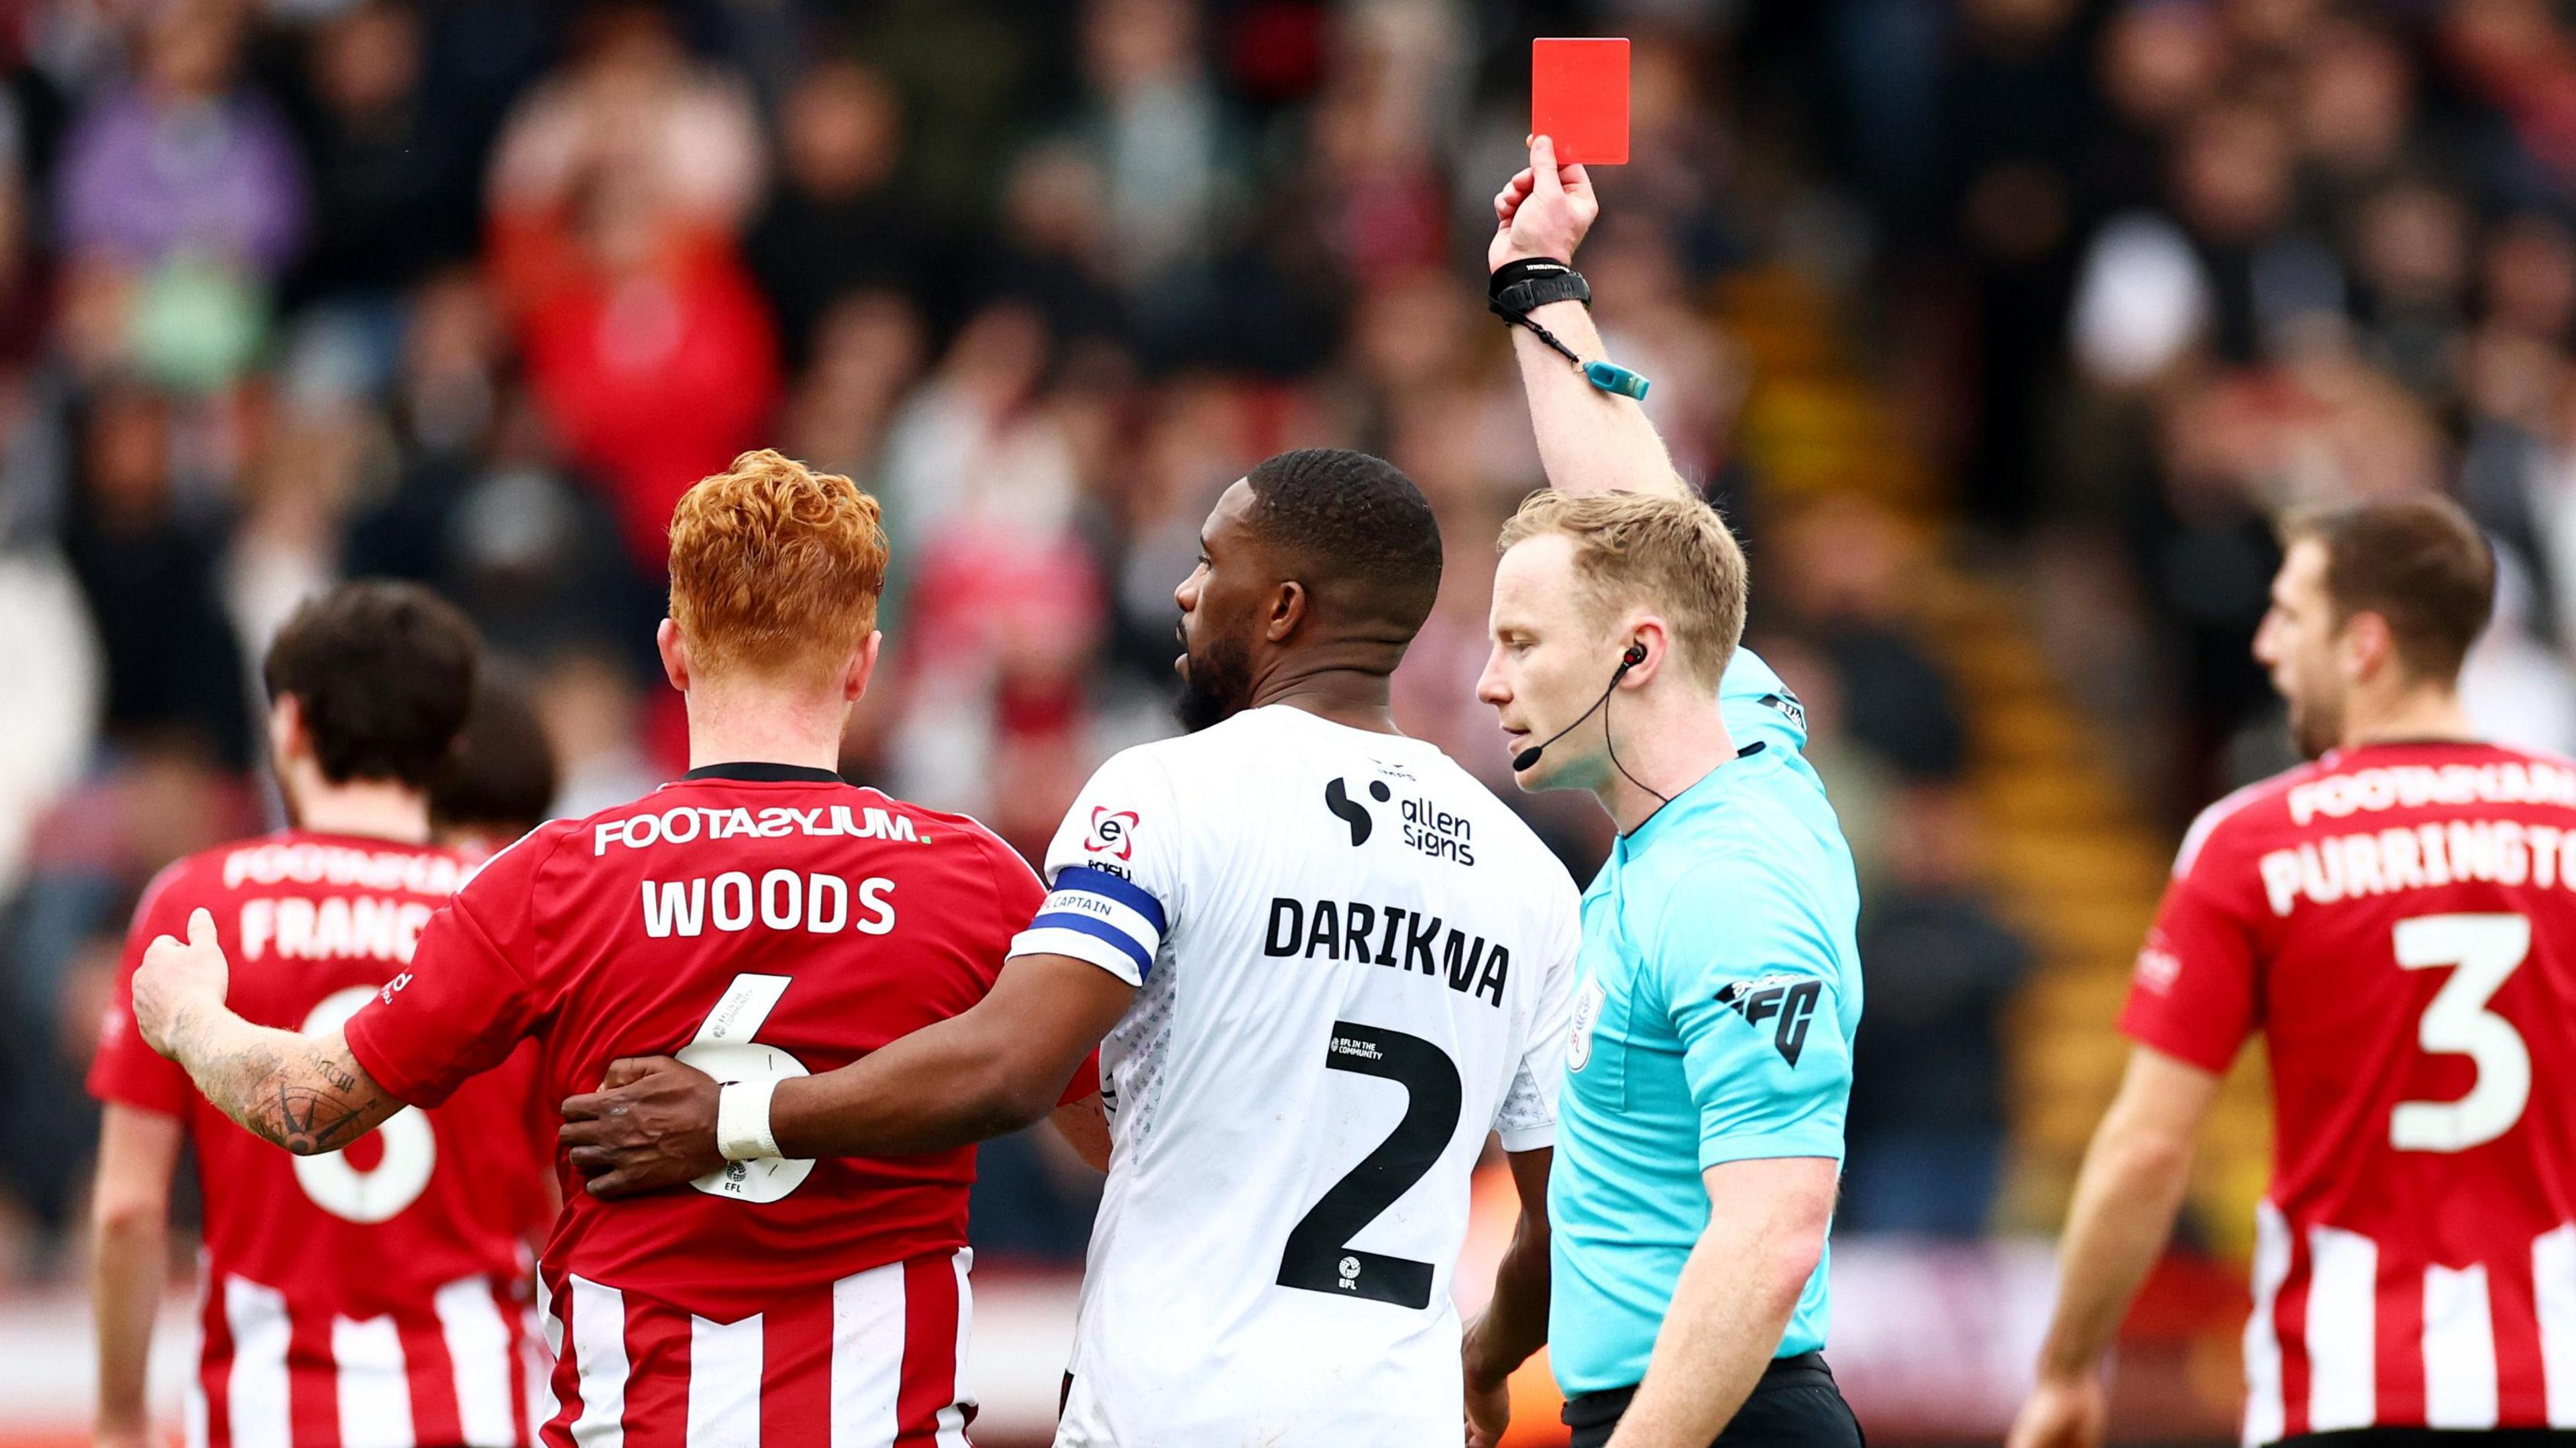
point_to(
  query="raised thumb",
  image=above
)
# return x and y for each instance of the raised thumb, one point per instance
(1543, 180)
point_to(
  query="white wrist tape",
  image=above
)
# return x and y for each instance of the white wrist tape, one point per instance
(742, 1120)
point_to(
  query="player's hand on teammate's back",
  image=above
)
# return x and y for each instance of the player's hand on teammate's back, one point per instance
(651, 1124)
(176, 977)
(1542, 212)
(2063, 1414)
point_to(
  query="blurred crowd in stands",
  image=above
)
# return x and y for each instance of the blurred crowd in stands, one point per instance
(2185, 265)
(468, 291)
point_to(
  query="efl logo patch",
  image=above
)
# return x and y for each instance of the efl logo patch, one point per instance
(1786, 999)
(1110, 832)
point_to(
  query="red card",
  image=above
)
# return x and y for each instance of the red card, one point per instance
(1579, 99)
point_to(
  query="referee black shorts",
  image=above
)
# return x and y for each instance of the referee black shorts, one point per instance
(1795, 1403)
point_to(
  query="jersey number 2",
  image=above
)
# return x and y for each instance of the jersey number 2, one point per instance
(2482, 950)
(1319, 1256)
(411, 1148)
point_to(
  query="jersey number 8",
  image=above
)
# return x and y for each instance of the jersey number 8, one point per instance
(411, 1149)
(2482, 951)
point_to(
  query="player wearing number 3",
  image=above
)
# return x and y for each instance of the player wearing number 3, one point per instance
(758, 917)
(2396, 919)
(349, 1299)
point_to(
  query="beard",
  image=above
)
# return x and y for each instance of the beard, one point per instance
(1216, 685)
(2315, 728)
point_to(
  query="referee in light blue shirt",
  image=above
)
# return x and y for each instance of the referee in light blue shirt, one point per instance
(1700, 1130)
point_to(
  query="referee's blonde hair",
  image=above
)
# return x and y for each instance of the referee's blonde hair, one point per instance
(775, 568)
(1665, 552)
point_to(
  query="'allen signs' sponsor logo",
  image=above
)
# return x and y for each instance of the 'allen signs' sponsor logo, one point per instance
(1788, 999)
(1437, 833)
(1426, 827)
(1112, 832)
(1337, 798)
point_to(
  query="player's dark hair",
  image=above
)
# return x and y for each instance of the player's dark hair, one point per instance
(384, 675)
(502, 773)
(2418, 562)
(1361, 534)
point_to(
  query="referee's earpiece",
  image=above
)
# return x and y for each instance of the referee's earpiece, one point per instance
(1635, 655)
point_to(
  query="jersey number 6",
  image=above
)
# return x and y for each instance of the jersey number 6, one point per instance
(2482, 950)
(724, 1049)
(1319, 1257)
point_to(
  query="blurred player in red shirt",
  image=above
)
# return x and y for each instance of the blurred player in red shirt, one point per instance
(759, 918)
(378, 1296)
(2398, 918)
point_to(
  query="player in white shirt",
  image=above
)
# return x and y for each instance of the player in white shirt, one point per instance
(1354, 964)
(1327, 964)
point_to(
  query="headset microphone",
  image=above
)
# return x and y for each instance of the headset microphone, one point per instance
(1636, 655)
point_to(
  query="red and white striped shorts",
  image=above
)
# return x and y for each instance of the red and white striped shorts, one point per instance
(875, 1360)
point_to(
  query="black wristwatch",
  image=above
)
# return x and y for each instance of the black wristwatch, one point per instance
(1521, 287)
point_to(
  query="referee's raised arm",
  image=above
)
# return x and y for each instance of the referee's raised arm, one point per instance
(1591, 439)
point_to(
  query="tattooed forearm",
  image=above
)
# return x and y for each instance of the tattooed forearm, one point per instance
(304, 1093)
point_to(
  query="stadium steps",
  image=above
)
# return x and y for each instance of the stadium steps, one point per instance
(2071, 856)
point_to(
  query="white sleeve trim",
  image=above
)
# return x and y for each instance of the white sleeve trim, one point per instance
(1055, 940)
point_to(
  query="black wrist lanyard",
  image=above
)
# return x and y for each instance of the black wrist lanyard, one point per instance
(1608, 376)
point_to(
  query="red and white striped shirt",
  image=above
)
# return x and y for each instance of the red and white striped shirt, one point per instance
(277, 1377)
(874, 1360)
(2400, 923)
(751, 919)
(376, 1297)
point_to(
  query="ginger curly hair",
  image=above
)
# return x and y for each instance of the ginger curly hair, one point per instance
(775, 568)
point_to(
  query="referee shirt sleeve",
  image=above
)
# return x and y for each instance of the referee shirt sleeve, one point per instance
(1112, 872)
(1752, 987)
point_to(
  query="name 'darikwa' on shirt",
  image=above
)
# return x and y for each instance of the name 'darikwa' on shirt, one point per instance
(1390, 936)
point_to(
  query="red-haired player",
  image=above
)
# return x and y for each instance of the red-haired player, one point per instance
(761, 919)
(2398, 919)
